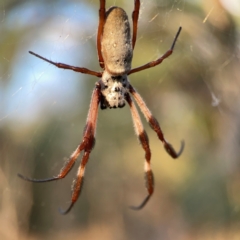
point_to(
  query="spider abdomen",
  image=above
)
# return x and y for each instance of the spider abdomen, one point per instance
(116, 42)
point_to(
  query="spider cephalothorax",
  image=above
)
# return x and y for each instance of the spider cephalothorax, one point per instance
(115, 51)
(114, 90)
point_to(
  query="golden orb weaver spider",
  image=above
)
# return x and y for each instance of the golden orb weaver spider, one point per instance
(115, 51)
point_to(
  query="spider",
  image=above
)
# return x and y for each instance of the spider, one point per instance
(113, 90)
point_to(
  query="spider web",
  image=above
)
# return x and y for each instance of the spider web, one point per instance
(194, 94)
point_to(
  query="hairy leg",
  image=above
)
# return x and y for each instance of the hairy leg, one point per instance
(154, 124)
(135, 16)
(102, 12)
(159, 60)
(69, 67)
(143, 138)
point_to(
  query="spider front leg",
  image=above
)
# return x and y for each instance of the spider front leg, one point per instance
(86, 145)
(78, 182)
(155, 125)
(143, 138)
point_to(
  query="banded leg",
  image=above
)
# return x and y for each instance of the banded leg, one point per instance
(135, 16)
(69, 67)
(154, 124)
(86, 145)
(143, 138)
(88, 142)
(102, 12)
(63, 172)
(78, 182)
(159, 60)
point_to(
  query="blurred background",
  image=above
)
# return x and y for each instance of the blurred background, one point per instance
(195, 95)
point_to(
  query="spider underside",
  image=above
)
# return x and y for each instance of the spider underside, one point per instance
(115, 51)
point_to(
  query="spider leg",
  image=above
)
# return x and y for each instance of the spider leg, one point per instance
(154, 124)
(65, 66)
(102, 12)
(159, 60)
(143, 138)
(64, 171)
(78, 182)
(135, 15)
(86, 145)
(88, 141)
